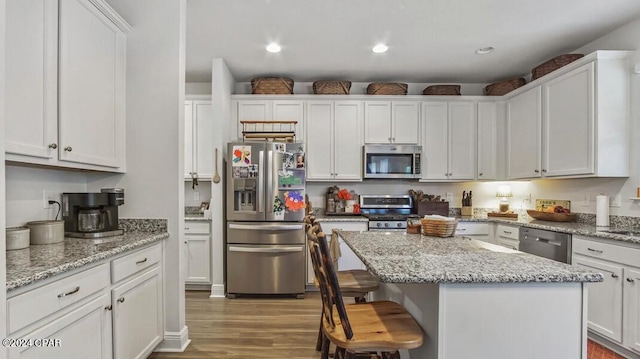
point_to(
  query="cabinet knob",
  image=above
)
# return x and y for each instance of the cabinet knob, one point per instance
(53, 146)
(536, 171)
(543, 170)
(630, 280)
(68, 149)
(108, 307)
(393, 139)
(480, 174)
(613, 275)
(121, 300)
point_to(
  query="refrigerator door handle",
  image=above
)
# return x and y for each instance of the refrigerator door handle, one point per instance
(258, 227)
(254, 249)
(270, 175)
(261, 198)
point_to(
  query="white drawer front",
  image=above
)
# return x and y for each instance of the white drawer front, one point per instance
(508, 231)
(34, 305)
(468, 228)
(197, 227)
(132, 263)
(612, 252)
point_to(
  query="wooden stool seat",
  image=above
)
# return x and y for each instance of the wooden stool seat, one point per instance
(378, 326)
(357, 282)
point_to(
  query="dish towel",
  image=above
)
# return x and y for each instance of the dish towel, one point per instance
(334, 248)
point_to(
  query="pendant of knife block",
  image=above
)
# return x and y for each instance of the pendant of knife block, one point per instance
(467, 211)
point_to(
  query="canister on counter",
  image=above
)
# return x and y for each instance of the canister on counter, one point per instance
(413, 224)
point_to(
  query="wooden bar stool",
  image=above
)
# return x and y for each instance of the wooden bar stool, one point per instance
(354, 283)
(381, 326)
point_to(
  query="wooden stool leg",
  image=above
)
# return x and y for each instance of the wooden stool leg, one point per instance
(320, 335)
(360, 299)
(394, 355)
(339, 353)
(324, 352)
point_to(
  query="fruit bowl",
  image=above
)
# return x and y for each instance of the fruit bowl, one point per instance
(552, 217)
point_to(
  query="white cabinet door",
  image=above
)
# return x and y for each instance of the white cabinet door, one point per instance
(462, 140)
(82, 333)
(91, 84)
(31, 78)
(198, 262)
(524, 128)
(348, 140)
(605, 298)
(290, 111)
(319, 140)
(487, 141)
(569, 110)
(137, 315)
(632, 309)
(405, 123)
(203, 138)
(435, 141)
(377, 122)
(188, 139)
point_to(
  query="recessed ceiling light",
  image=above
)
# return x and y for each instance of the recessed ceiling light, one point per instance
(484, 50)
(273, 47)
(380, 48)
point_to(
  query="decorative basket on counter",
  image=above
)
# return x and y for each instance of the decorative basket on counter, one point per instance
(554, 64)
(326, 87)
(552, 217)
(271, 86)
(504, 87)
(387, 88)
(438, 228)
(442, 90)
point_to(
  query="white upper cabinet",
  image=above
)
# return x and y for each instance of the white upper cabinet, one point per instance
(66, 84)
(272, 111)
(524, 129)
(574, 123)
(32, 79)
(487, 140)
(392, 122)
(449, 140)
(198, 142)
(334, 140)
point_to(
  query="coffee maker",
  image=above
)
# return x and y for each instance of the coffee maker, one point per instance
(92, 215)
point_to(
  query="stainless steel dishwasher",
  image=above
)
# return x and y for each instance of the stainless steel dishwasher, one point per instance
(548, 244)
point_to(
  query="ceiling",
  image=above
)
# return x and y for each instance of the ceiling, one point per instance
(429, 41)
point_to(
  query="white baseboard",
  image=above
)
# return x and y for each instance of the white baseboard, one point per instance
(174, 342)
(217, 291)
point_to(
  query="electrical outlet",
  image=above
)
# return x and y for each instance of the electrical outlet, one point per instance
(585, 200)
(49, 195)
(449, 196)
(196, 196)
(616, 201)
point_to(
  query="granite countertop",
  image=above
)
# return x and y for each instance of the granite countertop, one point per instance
(38, 262)
(564, 227)
(397, 257)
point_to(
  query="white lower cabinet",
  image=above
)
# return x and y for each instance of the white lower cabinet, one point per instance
(476, 230)
(508, 236)
(348, 259)
(84, 315)
(197, 237)
(613, 312)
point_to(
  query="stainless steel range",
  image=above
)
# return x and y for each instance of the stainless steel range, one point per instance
(386, 212)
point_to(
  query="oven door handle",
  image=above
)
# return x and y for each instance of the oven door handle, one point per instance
(548, 241)
(289, 249)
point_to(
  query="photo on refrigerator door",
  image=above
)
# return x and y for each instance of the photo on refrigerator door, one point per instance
(290, 179)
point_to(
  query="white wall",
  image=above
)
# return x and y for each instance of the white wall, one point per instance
(3, 259)
(154, 182)
(198, 88)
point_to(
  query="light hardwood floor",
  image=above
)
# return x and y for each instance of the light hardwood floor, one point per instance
(250, 327)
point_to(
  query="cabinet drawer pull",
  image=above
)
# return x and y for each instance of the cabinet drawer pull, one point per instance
(506, 232)
(108, 307)
(142, 261)
(461, 229)
(53, 146)
(630, 280)
(76, 290)
(613, 275)
(68, 149)
(121, 300)
(594, 250)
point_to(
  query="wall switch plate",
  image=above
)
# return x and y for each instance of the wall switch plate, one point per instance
(585, 200)
(196, 196)
(616, 201)
(449, 197)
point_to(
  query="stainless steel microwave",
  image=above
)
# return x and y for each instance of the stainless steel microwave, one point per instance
(392, 161)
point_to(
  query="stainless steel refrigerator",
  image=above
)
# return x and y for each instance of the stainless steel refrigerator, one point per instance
(265, 242)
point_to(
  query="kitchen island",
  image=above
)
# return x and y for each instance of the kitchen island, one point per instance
(478, 300)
